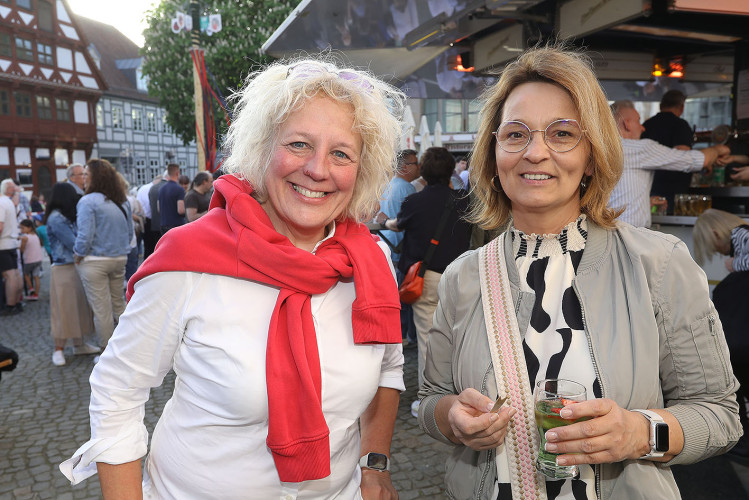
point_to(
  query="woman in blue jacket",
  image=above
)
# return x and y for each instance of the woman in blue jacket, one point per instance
(105, 223)
(70, 314)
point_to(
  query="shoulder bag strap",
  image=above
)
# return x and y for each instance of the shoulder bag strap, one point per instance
(437, 234)
(510, 372)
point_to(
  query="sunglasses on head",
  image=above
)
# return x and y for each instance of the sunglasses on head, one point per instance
(307, 70)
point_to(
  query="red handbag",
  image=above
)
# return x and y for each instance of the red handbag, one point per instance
(413, 284)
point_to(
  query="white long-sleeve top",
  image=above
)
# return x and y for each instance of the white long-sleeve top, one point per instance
(210, 440)
(642, 157)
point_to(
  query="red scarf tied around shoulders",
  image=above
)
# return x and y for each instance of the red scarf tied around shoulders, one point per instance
(236, 238)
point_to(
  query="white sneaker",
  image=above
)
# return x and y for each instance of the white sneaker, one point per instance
(58, 358)
(415, 408)
(85, 349)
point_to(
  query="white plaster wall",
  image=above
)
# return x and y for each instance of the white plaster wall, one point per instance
(22, 156)
(64, 58)
(80, 112)
(79, 156)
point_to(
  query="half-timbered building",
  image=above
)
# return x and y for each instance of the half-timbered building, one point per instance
(49, 87)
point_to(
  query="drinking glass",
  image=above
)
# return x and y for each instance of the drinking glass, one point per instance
(550, 396)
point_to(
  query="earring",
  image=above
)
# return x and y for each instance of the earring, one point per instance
(584, 185)
(494, 184)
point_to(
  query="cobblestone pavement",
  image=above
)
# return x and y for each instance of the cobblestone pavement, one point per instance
(44, 418)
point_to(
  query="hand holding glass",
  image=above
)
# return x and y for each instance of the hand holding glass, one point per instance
(550, 396)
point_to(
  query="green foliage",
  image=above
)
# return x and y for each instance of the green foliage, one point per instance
(229, 55)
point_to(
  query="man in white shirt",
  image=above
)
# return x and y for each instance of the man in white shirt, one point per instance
(642, 157)
(8, 249)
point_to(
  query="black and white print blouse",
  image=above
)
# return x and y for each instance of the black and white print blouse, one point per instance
(555, 343)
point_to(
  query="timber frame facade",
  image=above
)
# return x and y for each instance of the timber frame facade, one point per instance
(49, 87)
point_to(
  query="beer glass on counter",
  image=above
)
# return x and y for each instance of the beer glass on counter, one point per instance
(692, 205)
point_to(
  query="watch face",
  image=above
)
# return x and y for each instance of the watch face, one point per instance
(377, 461)
(661, 437)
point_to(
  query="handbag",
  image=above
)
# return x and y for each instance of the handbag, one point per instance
(413, 283)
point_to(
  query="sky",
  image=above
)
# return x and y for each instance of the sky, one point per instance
(125, 15)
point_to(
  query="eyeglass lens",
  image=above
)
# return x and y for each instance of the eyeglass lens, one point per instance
(561, 135)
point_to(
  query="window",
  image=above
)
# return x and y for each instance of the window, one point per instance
(99, 115)
(167, 128)
(43, 107)
(24, 4)
(118, 117)
(473, 115)
(154, 167)
(44, 13)
(430, 111)
(4, 103)
(140, 174)
(137, 119)
(24, 49)
(63, 110)
(151, 121)
(141, 80)
(5, 46)
(23, 104)
(44, 54)
(452, 115)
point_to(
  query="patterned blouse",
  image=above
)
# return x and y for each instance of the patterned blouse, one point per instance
(555, 343)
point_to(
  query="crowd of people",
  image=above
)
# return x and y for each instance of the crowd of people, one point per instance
(280, 314)
(92, 230)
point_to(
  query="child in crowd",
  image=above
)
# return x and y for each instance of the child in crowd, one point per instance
(31, 248)
(41, 231)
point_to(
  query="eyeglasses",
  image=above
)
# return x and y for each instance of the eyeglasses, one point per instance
(560, 135)
(306, 70)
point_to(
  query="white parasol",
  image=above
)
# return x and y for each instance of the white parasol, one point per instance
(408, 127)
(437, 135)
(426, 140)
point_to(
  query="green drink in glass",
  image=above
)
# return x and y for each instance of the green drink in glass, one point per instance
(550, 396)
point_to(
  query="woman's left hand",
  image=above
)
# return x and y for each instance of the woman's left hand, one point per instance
(376, 485)
(611, 435)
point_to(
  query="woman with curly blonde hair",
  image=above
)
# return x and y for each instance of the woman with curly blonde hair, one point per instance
(277, 310)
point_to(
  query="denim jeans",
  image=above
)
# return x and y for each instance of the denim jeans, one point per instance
(104, 281)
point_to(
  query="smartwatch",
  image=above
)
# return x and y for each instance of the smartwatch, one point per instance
(375, 461)
(658, 434)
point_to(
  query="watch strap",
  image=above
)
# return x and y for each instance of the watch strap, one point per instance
(657, 423)
(375, 461)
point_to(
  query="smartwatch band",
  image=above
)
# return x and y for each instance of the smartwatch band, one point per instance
(659, 442)
(375, 461)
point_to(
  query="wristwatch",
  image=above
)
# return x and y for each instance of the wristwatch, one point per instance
(375, 461)
(658, 434)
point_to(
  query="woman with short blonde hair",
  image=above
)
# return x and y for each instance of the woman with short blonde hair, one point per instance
(271, 95)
